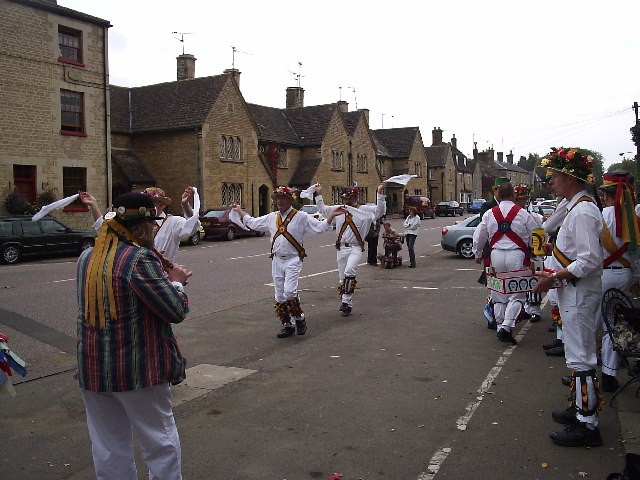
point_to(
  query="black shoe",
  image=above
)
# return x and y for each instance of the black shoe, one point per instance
(566, 380)
(346, 311)
(412, 266)
(286, 332)
(609, 383)
(525, 316)
(555, 351)
(492, 326)
(556, 343)
(577, 435)
(506, 337)
(535, 318)
(343, 306)
(301, 327)
(566, 417)
(553, 328)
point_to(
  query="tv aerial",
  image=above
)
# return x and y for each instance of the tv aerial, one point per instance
(297, 76)
(233, 56)
(181, 39)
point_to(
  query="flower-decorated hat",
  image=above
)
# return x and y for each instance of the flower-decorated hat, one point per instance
(569, 161)
(132, 206)
(348, 191)
(284, 191)
(522, 191)
(157, 194)
(619, 184)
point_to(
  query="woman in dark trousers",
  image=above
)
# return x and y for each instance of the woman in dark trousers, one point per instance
(412, 227)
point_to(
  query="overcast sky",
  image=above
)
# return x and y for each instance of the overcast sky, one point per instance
(513, 75)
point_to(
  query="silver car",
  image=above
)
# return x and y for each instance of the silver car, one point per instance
(458, 238)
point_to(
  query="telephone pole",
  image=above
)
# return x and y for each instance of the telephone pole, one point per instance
(635, 109)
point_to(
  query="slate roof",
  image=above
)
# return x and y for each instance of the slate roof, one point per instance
(351, 119)
(381, 150)
(397, 141)
(165, 106)
(437, 155)
(510, 167)
(132, 167)
(311, 123)
(50, 6)
(305, 172)
(273, 124)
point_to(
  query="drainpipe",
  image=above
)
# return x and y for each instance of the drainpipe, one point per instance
(198, 164)
(107, 118)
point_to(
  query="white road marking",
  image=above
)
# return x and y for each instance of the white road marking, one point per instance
(249, 256)
(425, 288)
(65, 280)
(441, 454)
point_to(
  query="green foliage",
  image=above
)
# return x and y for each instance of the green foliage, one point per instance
(635, 134)
(627, 164)
(17, 205)
(529, 163)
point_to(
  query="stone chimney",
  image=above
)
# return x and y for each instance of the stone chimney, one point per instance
(454, 141)
(343, 106)
(510, 157)
(186, 67)
(295, 97)
(235, 73)
(436, 136)
(500, 156)
(475, 150)
(365, 112)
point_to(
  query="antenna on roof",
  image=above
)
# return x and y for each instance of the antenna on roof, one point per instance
(297, 76)
(354, 97)
(233, 56)
(181, 39)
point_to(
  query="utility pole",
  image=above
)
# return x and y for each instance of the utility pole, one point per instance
(635, 109)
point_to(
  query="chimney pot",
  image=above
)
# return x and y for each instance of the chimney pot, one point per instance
(295, 97)
(186, 67)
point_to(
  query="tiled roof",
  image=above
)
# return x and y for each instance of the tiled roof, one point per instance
(132, 167)
(437, 156)
(304, 173)
(165, 106)
(50, 6)
(381, 150)
(397, 141)
(510, 167)
(311, 123)
(351, 119)
(273, 124)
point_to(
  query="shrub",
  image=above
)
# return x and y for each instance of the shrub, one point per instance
(16, 203)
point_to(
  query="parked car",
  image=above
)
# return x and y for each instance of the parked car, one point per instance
(20, 236)
(475, 205)
(458, 238)
(449, 208)
(194, 238)
(216, 223)
(423, 206)
(313, 211)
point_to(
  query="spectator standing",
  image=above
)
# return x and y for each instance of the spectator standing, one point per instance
(412, 228)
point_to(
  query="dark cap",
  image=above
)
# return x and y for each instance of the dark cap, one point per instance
(133, 206)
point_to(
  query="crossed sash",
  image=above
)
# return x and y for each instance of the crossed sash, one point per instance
(348, 221)
(282, 230)
(504, 229)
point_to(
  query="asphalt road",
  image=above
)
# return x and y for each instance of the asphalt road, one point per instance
(412, 386)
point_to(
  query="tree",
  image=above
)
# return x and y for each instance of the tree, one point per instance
(627, 164)
(529, 163)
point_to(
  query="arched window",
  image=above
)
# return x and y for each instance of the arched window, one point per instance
(237, 151)
(223, 146)
(223, 195)
(230, 148)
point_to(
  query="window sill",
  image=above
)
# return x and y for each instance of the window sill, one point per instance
(75, 208)
(333, 169)
(73, 134)
(227, 160)
(70, 62)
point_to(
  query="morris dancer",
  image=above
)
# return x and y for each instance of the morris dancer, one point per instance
(351, 228)
(620, 237)
(287, 227)
(508, 229)
(169, 227)
(578, 251)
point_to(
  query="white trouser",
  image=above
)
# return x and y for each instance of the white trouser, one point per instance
(112, 417)
(506, 308)
(285, 272)
(620, 279)
(348, 260)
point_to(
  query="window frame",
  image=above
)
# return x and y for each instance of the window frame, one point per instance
(29, 181)
(68, 173)
(70, 33)
(73, 129)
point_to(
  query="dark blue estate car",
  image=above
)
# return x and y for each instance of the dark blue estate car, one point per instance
(475, 205)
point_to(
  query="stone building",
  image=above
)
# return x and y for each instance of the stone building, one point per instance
(492, 167)
(451, 175)
(54, 109)
(401, 151)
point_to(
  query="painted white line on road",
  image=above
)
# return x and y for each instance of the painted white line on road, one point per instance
(65, 280)
(425, 288)
(313, 275)
(441, 454)
(249, 256)
(468, 270)
(436, 245)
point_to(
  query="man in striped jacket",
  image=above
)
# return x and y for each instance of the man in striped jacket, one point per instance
(128, 297)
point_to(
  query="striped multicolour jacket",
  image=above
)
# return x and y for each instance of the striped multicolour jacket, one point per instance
(136, 349)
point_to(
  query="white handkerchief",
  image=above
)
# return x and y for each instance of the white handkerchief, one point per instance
(235, 218)
(308, 193)
(191, 224)
(401, 179)
(54, 206)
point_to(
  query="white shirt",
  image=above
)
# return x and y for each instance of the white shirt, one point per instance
(609, 217)
(300, 224)
(167, 239)
(412, 225)
(362, 217)
(579, 237)
(521, 225)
